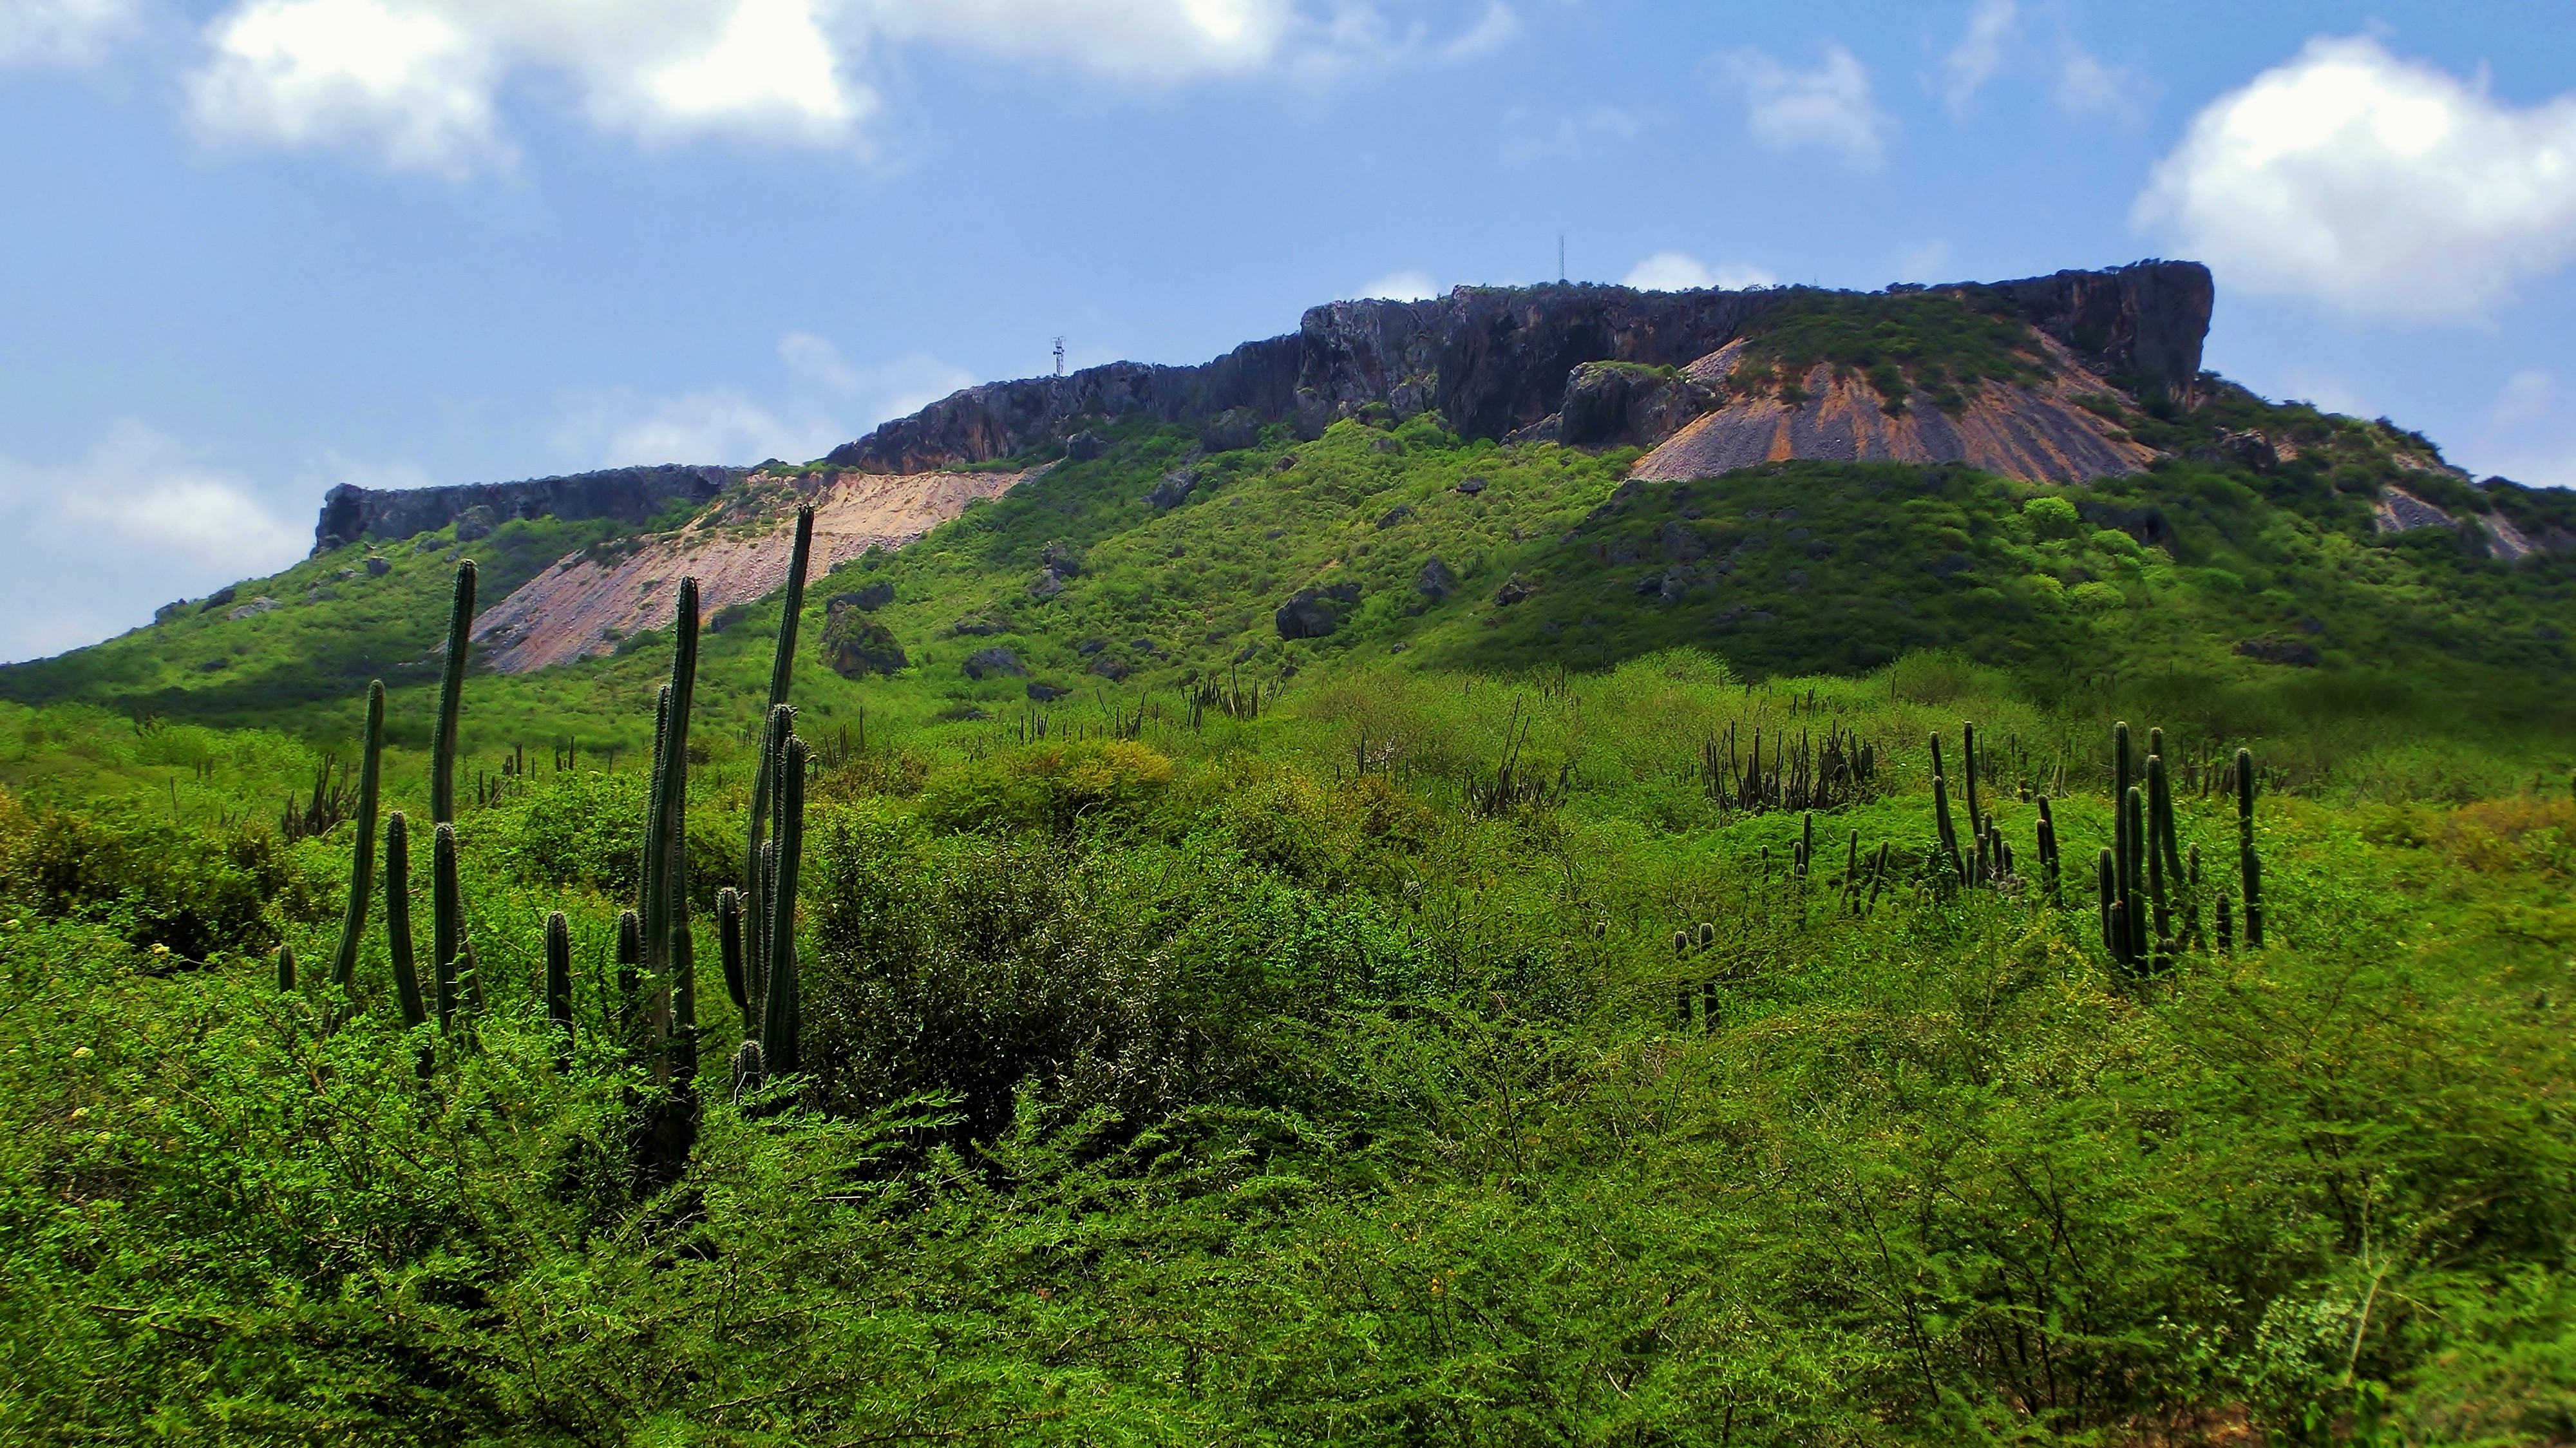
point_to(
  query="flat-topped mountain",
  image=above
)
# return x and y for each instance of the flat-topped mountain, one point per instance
(1563, 476)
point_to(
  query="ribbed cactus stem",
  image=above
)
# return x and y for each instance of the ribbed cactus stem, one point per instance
(729, 946)
(1707, 934)
(665, 874)
(2133, 883)
(2049, 869)
(446, 923)
(782, 672)
(451, 697)
(2119, 763)
(1968, 772)
(285, 966)
(1946, 831)
(1877, 876)
(2107, 893)
(362, 864)
(684, 1004)
(782, 1017)
(559, 983)
(1851, 873)
(2156, 877)
(2249, 865)
(398, 919)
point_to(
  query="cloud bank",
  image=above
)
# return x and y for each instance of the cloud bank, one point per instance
(2379, 186)
(1675, 271)
(1832, 107)
(419, 85)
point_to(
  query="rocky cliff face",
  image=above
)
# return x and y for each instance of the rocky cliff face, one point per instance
(1495, 360)
(630, 495)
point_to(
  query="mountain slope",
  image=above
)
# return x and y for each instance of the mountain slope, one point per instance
(2238, 548)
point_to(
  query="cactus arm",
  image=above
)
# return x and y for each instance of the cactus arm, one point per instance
(362, 865)
(444, 921)
(398, 918)
(559, 983)
(451, 698)
(780, 1022)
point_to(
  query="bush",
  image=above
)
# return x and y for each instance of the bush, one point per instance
(193, 892)
(1052, 788)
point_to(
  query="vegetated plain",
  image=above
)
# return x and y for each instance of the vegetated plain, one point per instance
(1287, 1040)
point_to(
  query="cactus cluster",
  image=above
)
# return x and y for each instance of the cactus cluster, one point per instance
(2149, 889)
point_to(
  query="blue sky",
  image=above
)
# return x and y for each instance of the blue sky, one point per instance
(256, 247)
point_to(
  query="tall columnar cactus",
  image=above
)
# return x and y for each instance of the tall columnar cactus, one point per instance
(285, 966)
(2248, 865)
(2049, 869)
(446, 927)
(362, 864)
(782, 1016)
(2107, 894)
(2119, 762)
(2133, 884)
(782, 673)
(446, 903)
(1877, 877)
(2160, 811)
(1948, 832)
(2157, 878)
(1968, 766)
(451, 698)
(559, 983)
(398, 918)
(664, 912)
(1851, 874)
(2192, 938)
(729, 946)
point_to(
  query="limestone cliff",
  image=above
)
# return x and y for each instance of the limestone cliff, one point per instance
(630, 495)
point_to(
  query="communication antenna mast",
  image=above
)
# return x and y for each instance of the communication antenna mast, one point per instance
(1560, 257)
(1059, 356)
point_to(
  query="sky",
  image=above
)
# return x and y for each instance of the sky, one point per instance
(253, 248)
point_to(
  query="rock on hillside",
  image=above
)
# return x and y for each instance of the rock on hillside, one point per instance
(1496, 360)
(629, 495)
(738, 551)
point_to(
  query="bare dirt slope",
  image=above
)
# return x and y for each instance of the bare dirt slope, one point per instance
(2038, 434)
(737, 550)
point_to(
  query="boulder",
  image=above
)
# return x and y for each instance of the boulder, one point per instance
(1084, 446)
(1046, 693)
(252, 609)
(475, 522)
(869, 599)
(1060, 557)
(1175, 486)
(1434, 581)
(1314, 613)
(1513, 591)
(1395, 515)
(219, 598)
(378, 567)
(995, 663)
(169, 611)
(975, 625)
(855, 645)
(2297, 653)
(1110, 667)
(1048, 585)
(1681, 544)
(1610, 403)
(1471, 486)
(1232, 430)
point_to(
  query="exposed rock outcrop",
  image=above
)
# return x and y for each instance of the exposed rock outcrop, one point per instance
(630, 495)
(1495, 360)
(738, 552)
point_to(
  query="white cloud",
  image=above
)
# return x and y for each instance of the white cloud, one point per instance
(1403, 286)
(1498, 27)
(1674, 271)
(827, 401)
(2530, 432)
(1532, 136)
(1831, 107)
(416, 84)
(1999, 41)
(2377, 185)
(94, 545)
(62, 32)
(1993, 27)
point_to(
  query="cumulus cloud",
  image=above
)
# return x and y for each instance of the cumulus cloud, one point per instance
(1831, 107)
(827, 401)
(1675, 271)
(416, 84)
(2377, 185)
(95, 544)
(62, 32)
(2002, 38)
(1403, 286)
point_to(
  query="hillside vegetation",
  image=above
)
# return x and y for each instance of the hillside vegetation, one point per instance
(1415, 941)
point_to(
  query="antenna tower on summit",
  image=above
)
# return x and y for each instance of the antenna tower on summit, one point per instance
(1059, 356)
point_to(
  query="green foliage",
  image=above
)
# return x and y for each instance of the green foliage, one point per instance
(1943, 342)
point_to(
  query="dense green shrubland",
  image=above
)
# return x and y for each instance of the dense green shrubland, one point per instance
(1252, 1083)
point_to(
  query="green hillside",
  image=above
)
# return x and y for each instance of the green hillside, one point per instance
(1437, 1029)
